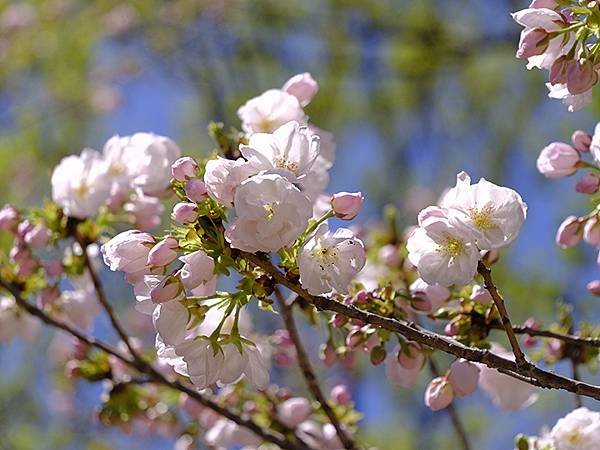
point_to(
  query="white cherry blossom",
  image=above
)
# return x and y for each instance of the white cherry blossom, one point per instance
(495, 213)
(223, 176)
(442, 249)
(270, 110)
(290, 150)
(80, 185)
(128, 251)
(578, 430)
(271, 214)
(16, 322)
(197, 269)
(506, 392)
(329, 261)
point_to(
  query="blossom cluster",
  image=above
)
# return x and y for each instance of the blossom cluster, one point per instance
(561, 37)
(130, 175)
(560, 159)
(470, 218)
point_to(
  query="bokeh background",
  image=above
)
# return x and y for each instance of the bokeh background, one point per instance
(414, 91)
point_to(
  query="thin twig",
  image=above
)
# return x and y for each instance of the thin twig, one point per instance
(569, 338)
(499, 302)
(578, 402)
(106, 306)
(308, 372)
(411, 331)
(143, 367)
(452, 412)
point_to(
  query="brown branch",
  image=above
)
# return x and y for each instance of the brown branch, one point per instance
(531, 373)
(143, 367)
(452, 412)
(106, 306)
(486, 273)
(574, 365)
(569, 338)
(308, 372)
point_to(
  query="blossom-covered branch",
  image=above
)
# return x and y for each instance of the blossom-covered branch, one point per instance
(530, 373)
(154, 375)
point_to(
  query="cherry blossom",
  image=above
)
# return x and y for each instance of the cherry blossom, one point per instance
(329, 261)
(80, 185)
(271, 214)
(495, 213)
(442, 248)
(270, 110)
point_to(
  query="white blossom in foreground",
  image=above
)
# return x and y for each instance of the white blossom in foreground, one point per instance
(227, 434)
(495, 213)
(578, 430)
(223, 176)
(270, 110)
(170, 321)
(442, 249)
(80, 185)
(16, 322)
(128, 251)
(271, 214)
(149, 158)
(329, 261)
(290, 150)
(506, 392)
(302, 86)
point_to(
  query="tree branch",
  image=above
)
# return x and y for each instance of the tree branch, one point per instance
(569, 338)
(486, 273)
(308, 373)
(531, 373)
(143, 367)
(106, 306)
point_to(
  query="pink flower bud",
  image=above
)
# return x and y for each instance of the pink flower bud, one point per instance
(294, 411)
(38, 236)
(340, 394)
(581, 140)
(451, 329)
(338, 320)
(581, 77)
(463, 377)
(361, 298)
(594, 287)
(480, 294)
(411, 357)
(195, 190)
(548, 4)
(302, 86)
(327, 354)
(378, 355)
(569, 232)
(163, 253)
(534, 41)
(9, 218)
(438, 394)
(558, 70)
(388, 254)
(589, 184)
(23, 228)
(354, 339)
(185, 212)
(591, 231)
(428, 297)
(346, 205)
(47, 296)
(184, 168)
(558, 160)
(53, 267)
(168, 289)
